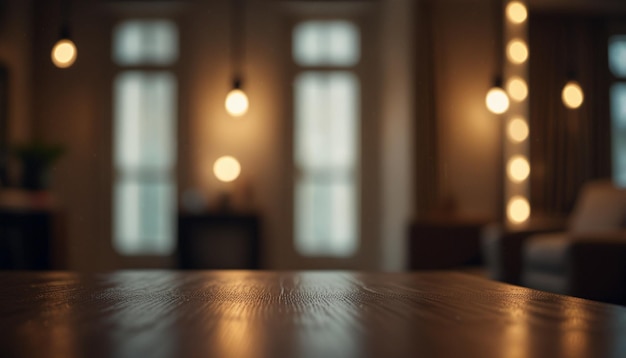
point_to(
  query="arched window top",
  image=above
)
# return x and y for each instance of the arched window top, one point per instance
(145, 42)
(326, 43)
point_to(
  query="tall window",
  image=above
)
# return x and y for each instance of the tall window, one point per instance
(144, 136)
(617, 65)
(326, 137)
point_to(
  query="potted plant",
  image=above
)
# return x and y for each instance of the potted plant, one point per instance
(36, 158)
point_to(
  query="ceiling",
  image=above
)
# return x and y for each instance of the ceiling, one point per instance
(579, 5)
(597, 6)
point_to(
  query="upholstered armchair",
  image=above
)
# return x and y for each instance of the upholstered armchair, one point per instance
(589, 258)
(501, 246)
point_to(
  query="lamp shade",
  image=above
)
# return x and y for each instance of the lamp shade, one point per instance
(64, 53)
(497, 100)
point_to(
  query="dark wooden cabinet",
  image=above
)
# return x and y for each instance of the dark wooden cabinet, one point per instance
(219, 241)
(445, 243)
(27, 239)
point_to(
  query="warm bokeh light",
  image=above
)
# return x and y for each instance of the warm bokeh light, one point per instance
(236, 103)
(516, 12)
(517, 88)
(226, 169)
(497, 101)
(63, 53)
(572, 95)
(518, 130)
(517, 51)
(518, 168)
(518, 209)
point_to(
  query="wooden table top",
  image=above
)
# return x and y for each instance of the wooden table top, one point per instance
(296, 314)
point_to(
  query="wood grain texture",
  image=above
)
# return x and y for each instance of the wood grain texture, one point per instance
(296, 314)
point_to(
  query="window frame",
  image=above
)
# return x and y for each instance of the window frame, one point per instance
(618, 178)
(174, 69)
(357, 71)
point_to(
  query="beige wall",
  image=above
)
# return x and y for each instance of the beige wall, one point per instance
(68, 108)
(73, 107)
(397, 131)
(15, 53)
(469, 149)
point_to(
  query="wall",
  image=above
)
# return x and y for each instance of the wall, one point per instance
(468, 139)
(397, 129)
(72, 106)
(68, 108)
(15, 53)
(259, 139)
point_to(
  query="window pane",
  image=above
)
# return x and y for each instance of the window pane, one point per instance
(145, 42)
(144, 156)
(326, 120)
(617, 55)
(334, 43)
(145, 112)
(144, 217)
(326, 221)
(325, 154)
(618, 115)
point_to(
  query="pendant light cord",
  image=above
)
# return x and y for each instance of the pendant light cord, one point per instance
(237, 44)
(65, 15)
(499, 39)
(570, 51)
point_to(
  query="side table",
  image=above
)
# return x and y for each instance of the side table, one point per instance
(221, 240)
(442, 243)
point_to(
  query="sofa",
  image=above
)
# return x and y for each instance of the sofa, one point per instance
(588, 259)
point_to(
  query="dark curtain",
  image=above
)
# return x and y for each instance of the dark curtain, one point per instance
(426, 157)
(4, 127)
(568, 147)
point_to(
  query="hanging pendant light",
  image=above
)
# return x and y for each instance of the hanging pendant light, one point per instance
(226, 168)
(64, 52)
(572, 94)
(237, 103)
(497, 100)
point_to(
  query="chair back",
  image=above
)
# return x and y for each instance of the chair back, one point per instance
(600, 207)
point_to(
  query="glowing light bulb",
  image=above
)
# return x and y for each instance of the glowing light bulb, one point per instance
(497, 101)
(236, 103)
(517, 51)
(518, 209)
(518, 168)
(516, 12)
(572, 95)
(518, 130)
(226, 169)
(64, 53)
(517, 88)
